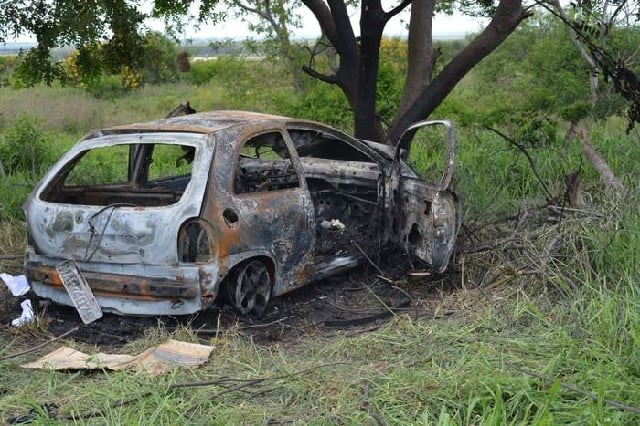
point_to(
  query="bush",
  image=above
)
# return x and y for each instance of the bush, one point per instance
(322, 103)
(109, 87)
(159, 63)
(14, 191)
(225, 68)
(7, 65)
(24, 147)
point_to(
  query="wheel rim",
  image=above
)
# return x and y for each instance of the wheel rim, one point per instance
(252, 288)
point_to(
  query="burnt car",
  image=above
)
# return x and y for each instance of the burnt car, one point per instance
(161, 218)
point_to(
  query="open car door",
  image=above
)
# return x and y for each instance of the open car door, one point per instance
(427, 210)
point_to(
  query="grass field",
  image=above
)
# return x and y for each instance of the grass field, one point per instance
(544, 324)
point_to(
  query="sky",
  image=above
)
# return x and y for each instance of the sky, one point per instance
(444, 26)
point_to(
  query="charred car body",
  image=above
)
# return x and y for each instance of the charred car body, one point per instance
(245, 204)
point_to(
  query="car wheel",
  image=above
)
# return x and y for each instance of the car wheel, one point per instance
(249, 288)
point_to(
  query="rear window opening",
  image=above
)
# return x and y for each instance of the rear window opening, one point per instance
(142, 174)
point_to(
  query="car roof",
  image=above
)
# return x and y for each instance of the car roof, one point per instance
(213, 121)
(204, 122)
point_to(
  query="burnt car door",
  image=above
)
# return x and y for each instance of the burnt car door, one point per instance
(274, 206)
(427, 211)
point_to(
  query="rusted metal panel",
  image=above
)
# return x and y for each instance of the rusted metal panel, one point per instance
(125, 285)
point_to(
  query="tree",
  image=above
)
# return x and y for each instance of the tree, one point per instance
(590, 30)
(598, 19)
(276, 18)
(359, 55)
(76, 21)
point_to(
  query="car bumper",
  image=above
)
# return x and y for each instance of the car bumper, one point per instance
(129, 289)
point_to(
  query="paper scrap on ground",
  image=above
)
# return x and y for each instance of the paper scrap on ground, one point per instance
(157, 360)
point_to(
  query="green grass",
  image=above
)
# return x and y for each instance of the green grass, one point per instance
(473, 370)
(558, 346)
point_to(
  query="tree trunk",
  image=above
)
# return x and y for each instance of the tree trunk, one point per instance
(420, 57)
(602, 167)
(508, 15)
(372, 22)
(358, 70)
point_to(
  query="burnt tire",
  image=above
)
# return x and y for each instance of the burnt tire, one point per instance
(249, 288)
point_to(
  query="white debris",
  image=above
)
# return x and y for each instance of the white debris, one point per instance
(18, 285)
(334, 224)
(27, 315)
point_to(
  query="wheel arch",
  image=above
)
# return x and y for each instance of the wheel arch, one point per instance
(238, 260)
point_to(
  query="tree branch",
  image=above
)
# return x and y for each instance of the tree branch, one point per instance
(507, 17)
(40, 346)
(323, 15)
(399, 8)
(253, 10)
(531, 162)
(322, 77)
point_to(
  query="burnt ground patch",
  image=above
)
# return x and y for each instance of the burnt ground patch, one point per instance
(357, 302)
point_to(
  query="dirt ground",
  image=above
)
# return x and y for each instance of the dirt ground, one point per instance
(357, 302)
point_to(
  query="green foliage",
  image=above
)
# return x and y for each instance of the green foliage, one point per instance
(159, 63)
(74, 23)
(14, 190)
(24, 147)
(140, 58)
(89, 67)
(108, 87)
(321, 103)
(575, 112)
(85, 66)
(203, 72)
(537, 70)
(532, 129)
(389, 91)
(34, 66)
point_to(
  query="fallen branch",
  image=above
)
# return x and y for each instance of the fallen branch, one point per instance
(561, 210)
(598, 163)
(592, 395)
(366, 407)
(372, 263)
(35, 348)
(242, 327)
(489, 245)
